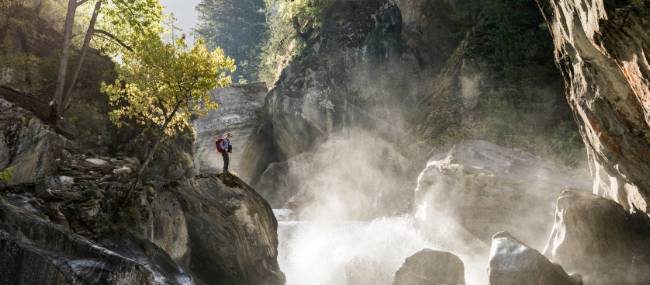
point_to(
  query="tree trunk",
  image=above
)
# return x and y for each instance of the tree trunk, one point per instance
(151, 153)
(57, 103)
(82, 55)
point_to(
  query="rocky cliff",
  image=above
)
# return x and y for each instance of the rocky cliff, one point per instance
(63, 218)
(601, 48)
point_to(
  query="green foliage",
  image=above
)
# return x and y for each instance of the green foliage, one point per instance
(290, 23)
(162, 85)
(238, 27)
(309, 13)
(126, 21)
(7, 174)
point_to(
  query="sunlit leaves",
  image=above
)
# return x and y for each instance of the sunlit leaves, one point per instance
(162, 85)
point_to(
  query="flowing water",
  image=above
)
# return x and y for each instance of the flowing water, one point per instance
(361, 252)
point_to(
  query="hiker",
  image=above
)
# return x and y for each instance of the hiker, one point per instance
(225, 148)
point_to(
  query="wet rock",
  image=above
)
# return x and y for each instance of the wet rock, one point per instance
(601, 49)
(598, 239)
(487, 188)
(33, 251)
(514, 263)
(431, 267)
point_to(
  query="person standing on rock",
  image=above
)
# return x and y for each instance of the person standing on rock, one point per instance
(225, 148)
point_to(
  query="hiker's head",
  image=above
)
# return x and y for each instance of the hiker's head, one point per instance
(229, 135)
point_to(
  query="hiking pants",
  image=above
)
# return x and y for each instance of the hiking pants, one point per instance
(226, 161)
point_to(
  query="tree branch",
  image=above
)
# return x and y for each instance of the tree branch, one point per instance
(112, 37)
(81, 2)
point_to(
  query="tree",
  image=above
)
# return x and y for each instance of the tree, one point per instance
(122, 16)
(161, 85)
(237, 26)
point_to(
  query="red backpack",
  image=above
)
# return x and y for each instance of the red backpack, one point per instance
(219, 142)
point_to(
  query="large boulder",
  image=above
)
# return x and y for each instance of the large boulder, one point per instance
(488, 188)
(598, 239)
(601, 48)
(232, 233)
(431, 267)
(28, 148)
(514, 263)
(208, 229)
(34, 251)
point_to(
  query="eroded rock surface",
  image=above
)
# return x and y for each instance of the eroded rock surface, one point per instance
(431, 267)
(601, 48)
(514, 263)
(215, 228)
(239, 112)
(27, 145)
(73, 224)
(598, 239)
(488, 188)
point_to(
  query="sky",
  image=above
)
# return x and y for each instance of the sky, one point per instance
(185, 14)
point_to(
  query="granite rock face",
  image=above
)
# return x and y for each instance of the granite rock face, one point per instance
(27, 146)
(74, 225)
(598, 239)
(601, 49)
(232, 233)
(185, 230)
(488, 188)
(430, 267)
(336, 81)
(514, 263)
(239, 112)
(34, 251)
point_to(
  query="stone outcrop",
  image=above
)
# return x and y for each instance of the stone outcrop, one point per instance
(239, 112)
(601, 49)
(34, 251)
(215, 228)
(28, 148)
(487, 188)
(514, 263)
(335, 81)
(598, 239)
(73, 224)
(430, 267)
(232, 233)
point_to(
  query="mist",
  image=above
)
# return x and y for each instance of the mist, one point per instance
(345, 225)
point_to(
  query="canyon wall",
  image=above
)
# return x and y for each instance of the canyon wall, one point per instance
(601, 48)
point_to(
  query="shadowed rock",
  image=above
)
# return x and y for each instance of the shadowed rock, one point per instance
(514, 263)
(598, 239)
(431, 267)
(601, 47)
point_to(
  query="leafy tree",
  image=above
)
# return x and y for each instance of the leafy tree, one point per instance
(161, 85)
(124, 17)
(237, 26)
